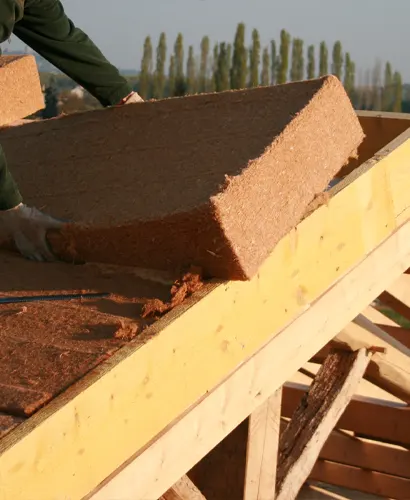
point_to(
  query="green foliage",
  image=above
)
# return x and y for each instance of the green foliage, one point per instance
(388, 89)
(171, 76)
(203, 70)
(239, 68)
(191, 72)
(180, 84)
(265, 76)
(254, 59)
(337, 60)
(398, 92)
(273, 62)
(283, 64)
(311, 65)
(349, 75)
(159, 80)
(323, 59)
(222, 71)
(298, 66)
(51, 100)
(146, 70)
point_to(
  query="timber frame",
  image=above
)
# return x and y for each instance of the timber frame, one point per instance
(235, 348)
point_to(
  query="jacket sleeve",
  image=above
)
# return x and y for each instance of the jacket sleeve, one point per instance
(9, 194)
(46, 28)
(10, 11)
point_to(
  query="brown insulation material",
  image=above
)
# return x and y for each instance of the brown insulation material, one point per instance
(212, 180)
(8, 423)
(46, 346)
(20, 88)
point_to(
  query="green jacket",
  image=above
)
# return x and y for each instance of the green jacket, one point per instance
(44, 26)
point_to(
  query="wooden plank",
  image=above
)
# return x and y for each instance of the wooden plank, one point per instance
(262, 450)
(390, 370)
(315, 418)
(374, 418)
(184, 489)
(361, 480)
(371, 455)
(358, 218)
(187, 441)
(388, 325)
(321, 491)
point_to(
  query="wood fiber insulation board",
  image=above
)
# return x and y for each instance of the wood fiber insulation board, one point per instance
(20, 88)
(46, 346)
(8, 423)
(211, 180)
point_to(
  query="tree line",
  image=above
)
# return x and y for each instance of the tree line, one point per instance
(171, 70)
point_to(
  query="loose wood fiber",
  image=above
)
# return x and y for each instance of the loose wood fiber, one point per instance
(20, 89)
(212, 180)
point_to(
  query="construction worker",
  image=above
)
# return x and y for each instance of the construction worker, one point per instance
(44, 26)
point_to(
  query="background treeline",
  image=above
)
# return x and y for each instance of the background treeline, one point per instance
(169, 68)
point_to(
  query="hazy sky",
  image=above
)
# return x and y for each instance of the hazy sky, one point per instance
(368, 29)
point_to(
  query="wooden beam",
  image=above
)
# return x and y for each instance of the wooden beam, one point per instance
(262, 450)
(184, 489)
(165, 359)
(184, 443)
(375, 418)
(315, 418)
(354, 478)
(365, 454)
(388, 325)
(390, 370)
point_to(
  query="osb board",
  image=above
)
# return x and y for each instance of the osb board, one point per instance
(21, 93)
(202, 342)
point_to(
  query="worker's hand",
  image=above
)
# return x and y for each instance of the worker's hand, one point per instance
(27, 227)
(132, 98)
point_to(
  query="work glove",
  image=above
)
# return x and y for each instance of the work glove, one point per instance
(28, 227)
(132, 98)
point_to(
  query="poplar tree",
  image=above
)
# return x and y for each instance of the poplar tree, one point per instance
(238, 71)
(388, 89)
(191, 72)
(273, 62)
(254, 59)
(215, 55)
(171, 76)
(203, 71)
(349, 75)
(311, 64)
(222, 71)
(323, 60)
(159, 81)
(297, 68)
(180, 86)
(337, 60)
(146, 69)
(283, 66)
(398, 92)
(265, 76)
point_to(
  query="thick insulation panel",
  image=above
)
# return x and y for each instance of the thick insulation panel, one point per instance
(47, 346)
(20, 88)
(212, 180)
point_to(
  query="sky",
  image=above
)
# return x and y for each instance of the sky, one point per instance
(368, 29)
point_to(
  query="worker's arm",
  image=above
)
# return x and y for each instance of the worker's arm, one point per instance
(46, 28)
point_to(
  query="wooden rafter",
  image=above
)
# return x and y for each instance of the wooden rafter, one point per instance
(388, 369)
(315, 418)
(262, 450)
(184, 489)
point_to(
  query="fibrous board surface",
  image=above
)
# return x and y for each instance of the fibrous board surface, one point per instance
(212, 180)
(47, 346)
(20, 88)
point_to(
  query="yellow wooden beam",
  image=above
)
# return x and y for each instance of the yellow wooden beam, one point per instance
(222, 410)
(98, 424)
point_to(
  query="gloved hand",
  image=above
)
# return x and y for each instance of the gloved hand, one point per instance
(27, 227)
(132, 98)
